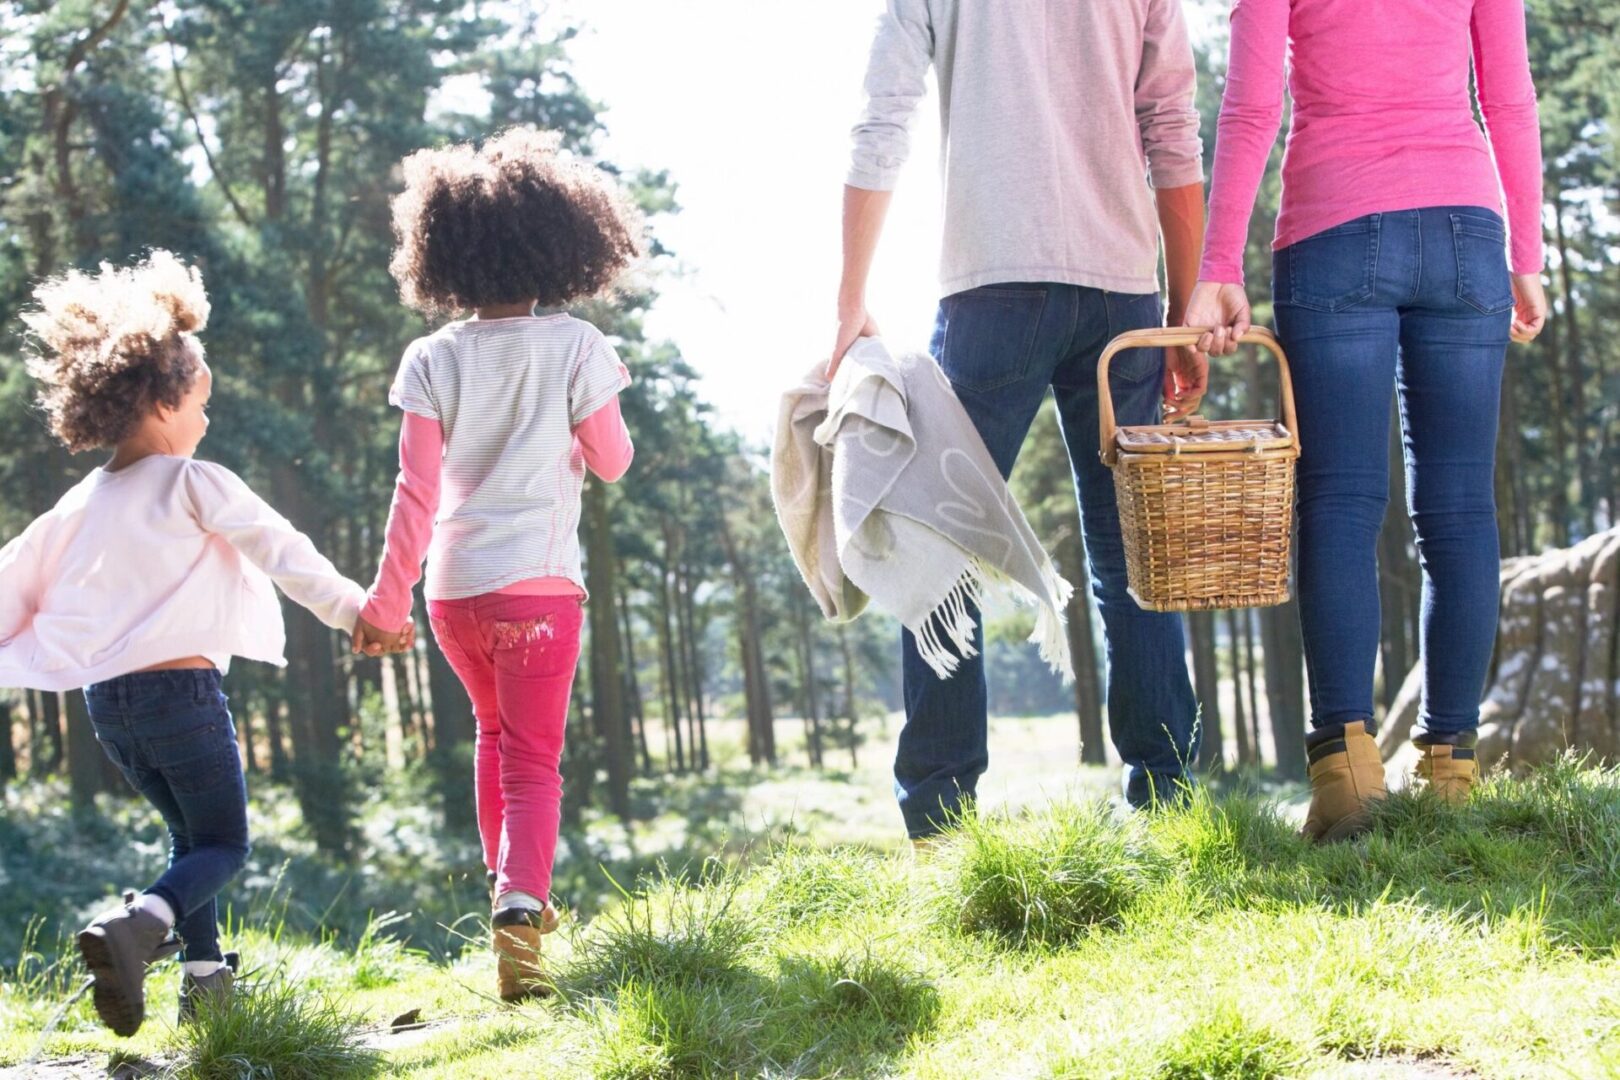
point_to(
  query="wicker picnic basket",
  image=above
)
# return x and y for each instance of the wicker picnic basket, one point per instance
(1206, 508)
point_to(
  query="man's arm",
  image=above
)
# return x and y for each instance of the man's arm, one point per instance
(863, 224)
(1181, 223)
(896, 80)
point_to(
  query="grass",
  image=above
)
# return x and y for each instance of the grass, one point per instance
(1066, 940)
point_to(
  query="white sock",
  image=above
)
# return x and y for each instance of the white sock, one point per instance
(198, 969)
(513, 898)
(153, 904)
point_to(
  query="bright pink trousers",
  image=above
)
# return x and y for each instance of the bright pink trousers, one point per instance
(516, 655)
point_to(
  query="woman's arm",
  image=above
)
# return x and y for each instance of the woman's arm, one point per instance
(1507, 101)
(1251, 112)
(410, 523)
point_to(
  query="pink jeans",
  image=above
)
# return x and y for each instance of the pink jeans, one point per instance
(516, 656)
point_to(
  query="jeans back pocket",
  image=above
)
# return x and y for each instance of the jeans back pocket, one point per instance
(990, 334)
(1482, 274)
(1333, 269)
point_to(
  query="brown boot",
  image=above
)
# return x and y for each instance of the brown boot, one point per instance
(117, 947)
(1347, 777)
(516, 934)
(1448, 771)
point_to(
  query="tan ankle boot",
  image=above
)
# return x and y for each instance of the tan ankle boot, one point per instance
(516, 937)
(1347, 777)
(1448, 771)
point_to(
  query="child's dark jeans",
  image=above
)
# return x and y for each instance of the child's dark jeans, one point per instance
(170, 734)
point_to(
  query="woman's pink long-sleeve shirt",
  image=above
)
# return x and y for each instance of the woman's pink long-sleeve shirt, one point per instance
(1382, 119)
(604, 441)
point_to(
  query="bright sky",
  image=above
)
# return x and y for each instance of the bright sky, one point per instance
(749, 104)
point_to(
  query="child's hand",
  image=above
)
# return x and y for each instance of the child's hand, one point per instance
(370, 641)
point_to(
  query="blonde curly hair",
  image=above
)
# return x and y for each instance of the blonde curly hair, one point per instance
(114, 345)
(513, 220)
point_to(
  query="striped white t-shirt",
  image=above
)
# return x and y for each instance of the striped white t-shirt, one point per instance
(508, 394)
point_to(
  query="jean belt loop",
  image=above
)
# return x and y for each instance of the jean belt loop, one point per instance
(121, 688)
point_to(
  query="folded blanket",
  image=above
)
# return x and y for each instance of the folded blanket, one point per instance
(885, 491)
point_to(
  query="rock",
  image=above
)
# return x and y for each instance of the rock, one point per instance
(1553, 680)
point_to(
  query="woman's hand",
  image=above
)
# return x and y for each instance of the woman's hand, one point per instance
(1529, 307)
(1222, 309)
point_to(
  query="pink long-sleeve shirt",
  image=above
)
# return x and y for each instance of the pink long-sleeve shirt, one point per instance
(1382, 119)
(604, 441)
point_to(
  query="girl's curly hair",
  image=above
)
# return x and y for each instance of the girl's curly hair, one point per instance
(508, 222)
(115, 345)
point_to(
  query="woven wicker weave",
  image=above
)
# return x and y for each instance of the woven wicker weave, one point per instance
(1206, 508)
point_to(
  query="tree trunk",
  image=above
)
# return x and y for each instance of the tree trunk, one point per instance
(607, 671)
(1206, 680)
(1240, 721)
(1254, 694)
(1071, 560)
(84, 755)
(51, 712)
(673, 718)
(638, 707)
(850, 715)
(808, 690)
(1285, 686)
(8, 749)
(1586, 499)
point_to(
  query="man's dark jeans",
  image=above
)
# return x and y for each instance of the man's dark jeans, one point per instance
(1416, 303)
(170, 734)
(1002, 346)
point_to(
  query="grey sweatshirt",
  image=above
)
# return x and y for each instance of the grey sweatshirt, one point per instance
(1056, 116)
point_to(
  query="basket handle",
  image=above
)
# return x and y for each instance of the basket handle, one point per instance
(1171, 337)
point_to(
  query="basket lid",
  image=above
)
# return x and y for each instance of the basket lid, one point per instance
(1197, 435)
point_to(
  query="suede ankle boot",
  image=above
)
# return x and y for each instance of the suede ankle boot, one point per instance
(516, 932)
(1448, 771)
(1347, 777)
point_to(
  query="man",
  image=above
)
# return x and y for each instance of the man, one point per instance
(1056, 115)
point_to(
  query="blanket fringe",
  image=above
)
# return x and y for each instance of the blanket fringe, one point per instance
(951, 622)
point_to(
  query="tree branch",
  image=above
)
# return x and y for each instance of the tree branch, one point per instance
(196, 124)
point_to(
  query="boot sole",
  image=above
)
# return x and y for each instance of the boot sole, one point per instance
(114, 1007)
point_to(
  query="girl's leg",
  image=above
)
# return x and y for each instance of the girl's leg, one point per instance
(456, 629)
(536, 650)
(1453, 343)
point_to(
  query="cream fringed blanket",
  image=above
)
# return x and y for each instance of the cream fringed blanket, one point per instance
(885, 491)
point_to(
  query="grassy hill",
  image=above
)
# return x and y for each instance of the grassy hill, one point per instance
(1064, 939)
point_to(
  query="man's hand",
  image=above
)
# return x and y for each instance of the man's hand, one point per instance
(1186, 379)
(853, 323)
(1223, 311)
(370, 641)
(1529, 307)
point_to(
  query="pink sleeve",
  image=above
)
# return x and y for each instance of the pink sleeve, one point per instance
(1251, 112)
(20, 586)
(1507, 101)
(606, 441)
(410, 523)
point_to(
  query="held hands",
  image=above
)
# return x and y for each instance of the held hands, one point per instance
(853, 323)
(370, 641)
(1529, 307)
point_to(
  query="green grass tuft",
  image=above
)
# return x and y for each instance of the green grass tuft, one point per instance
(1046, 878)
(804, 885)
(1224, 1045)
(274, 1029)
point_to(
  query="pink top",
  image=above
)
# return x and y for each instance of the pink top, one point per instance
(1382, 118)
(603, 439)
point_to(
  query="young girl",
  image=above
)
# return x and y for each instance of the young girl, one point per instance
(504, 411)
(141, 584)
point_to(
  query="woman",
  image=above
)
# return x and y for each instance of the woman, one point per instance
(1388, 271)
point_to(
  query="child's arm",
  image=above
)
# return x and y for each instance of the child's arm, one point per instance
(606, 442)
(410, 522)
(19, 586)
(227, 507)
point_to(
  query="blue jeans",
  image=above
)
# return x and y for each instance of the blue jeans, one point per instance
(1002, 346)
(170, 734)
(1417, 303)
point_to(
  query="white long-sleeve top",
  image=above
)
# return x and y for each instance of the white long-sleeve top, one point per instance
(163, 559)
